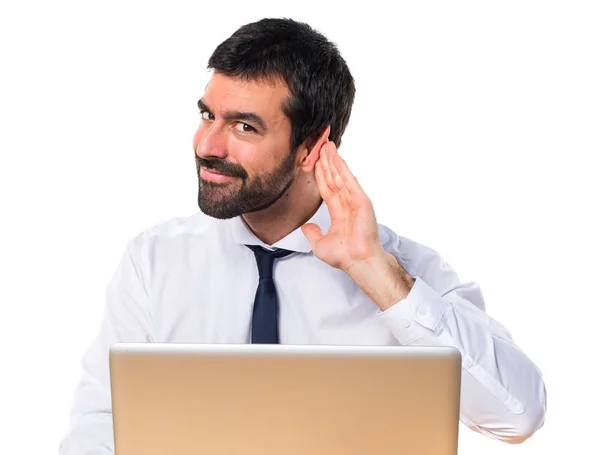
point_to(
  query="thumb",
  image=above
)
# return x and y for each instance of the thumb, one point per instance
(312, 232)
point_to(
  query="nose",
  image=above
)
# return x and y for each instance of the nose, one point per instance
(211, 141)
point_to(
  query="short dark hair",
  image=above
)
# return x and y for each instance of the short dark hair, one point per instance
(321, 85)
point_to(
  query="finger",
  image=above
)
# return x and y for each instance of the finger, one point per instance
(350, 181)
(312, 232)
(340, 189)
(324, 159)
(329, 196)
(336, 176)
(324, 189)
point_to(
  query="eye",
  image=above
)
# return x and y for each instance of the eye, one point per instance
(245, 128)
(206, 115)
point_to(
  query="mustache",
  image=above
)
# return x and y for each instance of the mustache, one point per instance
(222, 167)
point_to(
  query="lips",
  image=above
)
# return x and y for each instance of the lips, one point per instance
(214, 176)
(212, 171)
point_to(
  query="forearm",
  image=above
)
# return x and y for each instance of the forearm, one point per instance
(126, 319)
(90, 429)
(502, 393)
(91, 434)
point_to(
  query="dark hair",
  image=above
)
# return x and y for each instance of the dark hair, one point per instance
(321, 85)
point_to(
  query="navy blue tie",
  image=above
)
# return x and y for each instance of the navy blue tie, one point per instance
(265, 313)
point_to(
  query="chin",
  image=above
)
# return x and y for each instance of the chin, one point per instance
(218, 211)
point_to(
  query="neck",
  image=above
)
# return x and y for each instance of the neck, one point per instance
(286, 215)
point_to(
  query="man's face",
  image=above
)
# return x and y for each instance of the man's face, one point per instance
(242, 146)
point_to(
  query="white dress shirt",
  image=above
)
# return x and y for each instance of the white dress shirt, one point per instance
(192, 280)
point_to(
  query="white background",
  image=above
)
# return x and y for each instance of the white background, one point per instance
(475, 131)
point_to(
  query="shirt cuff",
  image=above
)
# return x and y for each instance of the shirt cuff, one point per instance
(416, 315)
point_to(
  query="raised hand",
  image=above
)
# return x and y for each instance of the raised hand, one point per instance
(353, 236)
(352, 242)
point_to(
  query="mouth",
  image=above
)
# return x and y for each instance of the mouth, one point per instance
(213, 176)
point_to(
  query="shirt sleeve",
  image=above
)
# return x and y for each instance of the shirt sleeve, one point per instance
(502, 391)
(126, 319)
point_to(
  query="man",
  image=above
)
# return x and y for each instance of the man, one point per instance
(271, 181)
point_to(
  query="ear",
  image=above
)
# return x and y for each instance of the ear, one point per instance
(310, 150)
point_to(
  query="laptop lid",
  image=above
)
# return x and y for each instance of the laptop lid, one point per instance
(184, 399)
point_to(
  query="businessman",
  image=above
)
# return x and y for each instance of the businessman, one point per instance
(277, 201)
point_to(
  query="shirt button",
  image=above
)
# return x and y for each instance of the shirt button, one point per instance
(405, 323)
(423, 311)
(468, 362)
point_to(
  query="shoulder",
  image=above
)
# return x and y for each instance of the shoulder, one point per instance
(177, 233)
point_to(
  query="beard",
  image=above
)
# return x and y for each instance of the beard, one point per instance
(225, 200)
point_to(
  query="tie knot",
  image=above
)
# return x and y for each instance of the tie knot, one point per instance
(265, 259)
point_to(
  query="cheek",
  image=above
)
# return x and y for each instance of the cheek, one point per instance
(255, 158)
(246, 155)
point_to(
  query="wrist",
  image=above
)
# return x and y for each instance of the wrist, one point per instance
(382, 278)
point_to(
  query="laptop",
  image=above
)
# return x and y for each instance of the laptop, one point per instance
(204, 399)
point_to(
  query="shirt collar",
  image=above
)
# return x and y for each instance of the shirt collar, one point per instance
(294, 241)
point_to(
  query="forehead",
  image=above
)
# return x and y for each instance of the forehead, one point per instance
(264, 98)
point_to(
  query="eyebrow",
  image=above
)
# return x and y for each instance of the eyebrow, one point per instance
(237, 115)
